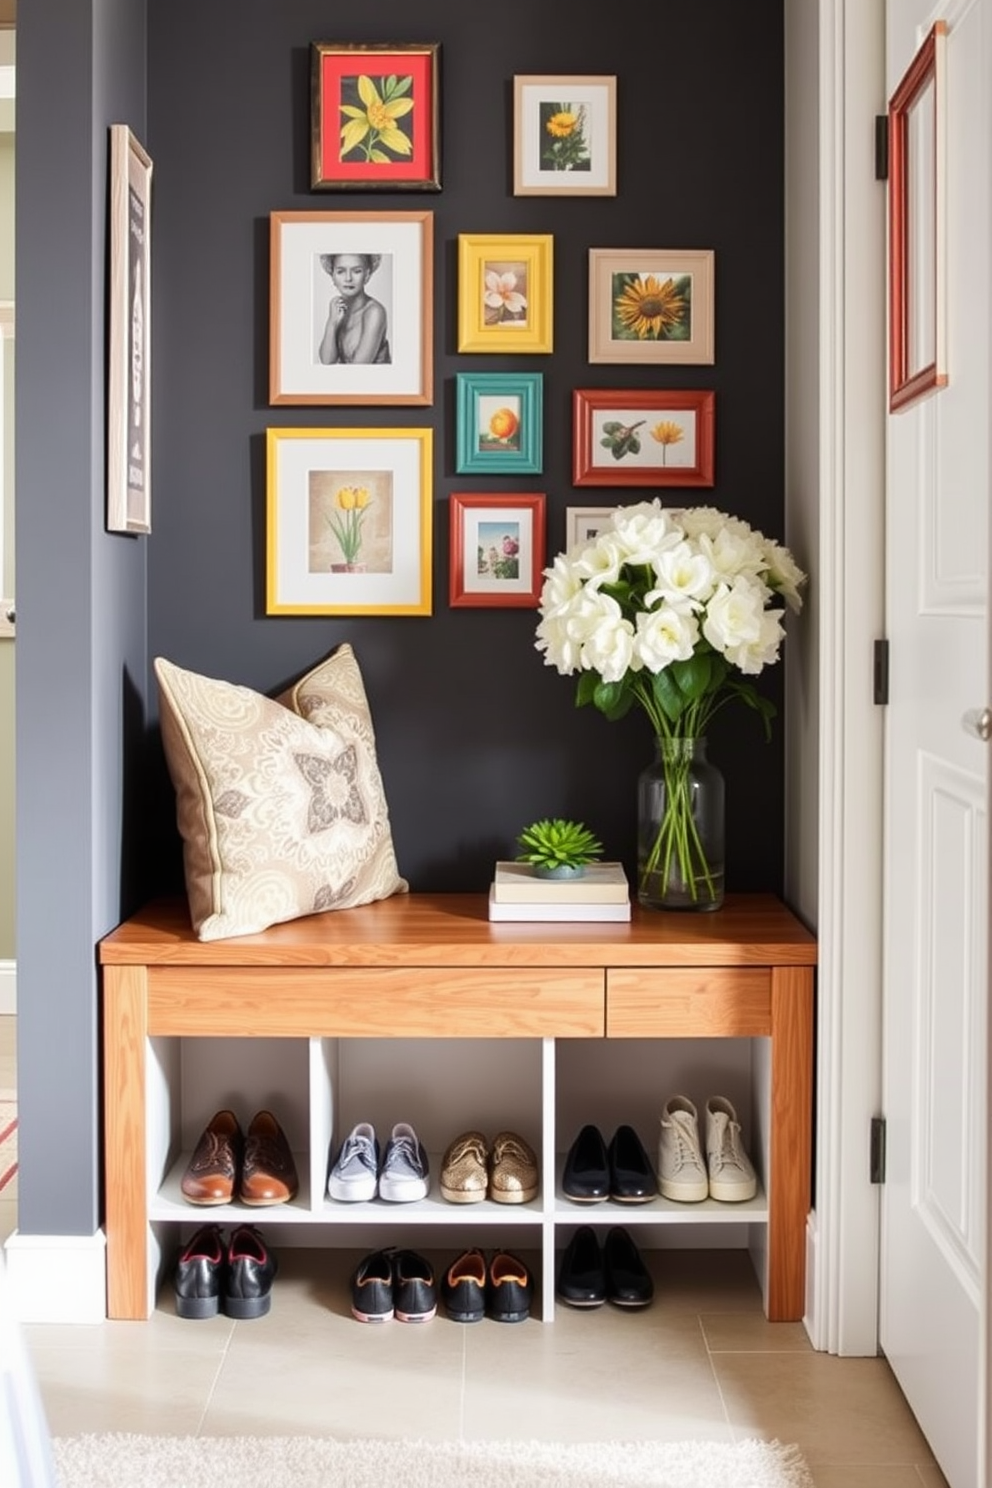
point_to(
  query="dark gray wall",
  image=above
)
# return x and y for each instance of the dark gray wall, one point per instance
(81, 648)
(476, 737)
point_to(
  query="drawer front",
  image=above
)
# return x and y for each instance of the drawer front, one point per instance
(683, 1002)
(419, 1002)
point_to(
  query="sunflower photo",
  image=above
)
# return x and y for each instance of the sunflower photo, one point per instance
(655, 305)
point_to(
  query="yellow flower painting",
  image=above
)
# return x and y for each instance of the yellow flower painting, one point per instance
(377, 114)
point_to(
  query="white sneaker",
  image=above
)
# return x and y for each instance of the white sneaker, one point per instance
(732, 1177)
(681, 1170)
(404, 1173)
(356, 1168)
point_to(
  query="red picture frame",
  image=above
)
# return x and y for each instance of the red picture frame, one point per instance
(497, 551)
(917, 282)
(642, 437)
(375, 117)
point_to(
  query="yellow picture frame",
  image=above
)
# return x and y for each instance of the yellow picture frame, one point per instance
(348, 521)
(505, 292)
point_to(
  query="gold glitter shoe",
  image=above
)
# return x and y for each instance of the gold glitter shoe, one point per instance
(513, 1171)
(464, 1169)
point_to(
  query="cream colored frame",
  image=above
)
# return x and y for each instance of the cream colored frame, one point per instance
(663, 263)
(129, 340)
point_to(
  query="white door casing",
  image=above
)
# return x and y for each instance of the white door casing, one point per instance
(936, 820)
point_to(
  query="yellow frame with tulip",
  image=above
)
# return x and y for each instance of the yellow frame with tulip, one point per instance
(348, 521)
(505, 292)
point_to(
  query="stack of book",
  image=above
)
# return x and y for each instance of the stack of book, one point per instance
(601, 893)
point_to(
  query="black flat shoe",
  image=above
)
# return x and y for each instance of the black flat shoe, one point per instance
(582, 1278)
(199, 1274)
(586, 1175)
(251, 1269)
(463, 1288)
(509, 1289)
(632, 1178)
(628, 1283)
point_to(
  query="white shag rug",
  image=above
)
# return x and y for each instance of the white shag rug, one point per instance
(123, 1461)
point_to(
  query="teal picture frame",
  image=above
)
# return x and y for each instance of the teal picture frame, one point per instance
(500, 419)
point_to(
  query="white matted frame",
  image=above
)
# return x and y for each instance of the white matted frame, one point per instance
(348, 521)
(564, 135)
(129, 336)
(583, 524)
(311, 360)
(497, 551)
(651, 305)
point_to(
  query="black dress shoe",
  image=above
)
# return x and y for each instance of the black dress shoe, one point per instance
(632, 1178)
(251, 1269)
(628, 1283)
(586, 1175)
(582, 1278)
(464, 1288)
(200, 1274)
(414, 1288)
(509, 1289)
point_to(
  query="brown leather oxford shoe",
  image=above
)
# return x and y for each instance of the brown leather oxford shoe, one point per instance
(212, 1171)
(268, 1174)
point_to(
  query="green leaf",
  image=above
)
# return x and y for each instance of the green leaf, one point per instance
(668, 695)
(389, 87)
(585, 689)
(612, 427)
(403, 85)
(614, 699)
(693, 676)
(380, 157)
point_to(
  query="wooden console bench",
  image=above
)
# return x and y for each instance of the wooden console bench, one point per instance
(432, 967)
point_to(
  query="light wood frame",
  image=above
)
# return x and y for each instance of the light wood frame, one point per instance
(583, 160)
(917, 227)
(692, 339)
(322, 483)
(523, 265)
(399, 254)
(129, 336)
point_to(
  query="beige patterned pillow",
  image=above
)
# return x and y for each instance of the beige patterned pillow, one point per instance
(279, 802)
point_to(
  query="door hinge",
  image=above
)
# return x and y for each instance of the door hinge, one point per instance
(876, 1161)
(881, 147)
(880, 672)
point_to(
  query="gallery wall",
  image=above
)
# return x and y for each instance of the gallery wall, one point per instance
(476, 737)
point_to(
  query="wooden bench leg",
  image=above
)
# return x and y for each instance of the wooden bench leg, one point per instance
(791, 1140)
(125, 1028)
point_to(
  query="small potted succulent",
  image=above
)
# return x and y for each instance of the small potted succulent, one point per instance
(556, 848)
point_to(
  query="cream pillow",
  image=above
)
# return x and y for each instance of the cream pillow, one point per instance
(279, 802)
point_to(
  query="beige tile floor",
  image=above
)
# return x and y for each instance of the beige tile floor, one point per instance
(701, 1362)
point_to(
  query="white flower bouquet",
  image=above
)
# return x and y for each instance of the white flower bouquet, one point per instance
(673, 611)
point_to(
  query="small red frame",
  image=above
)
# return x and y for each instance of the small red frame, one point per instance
(490, 535)
(391, 90)
(917, 363)
(604, 455)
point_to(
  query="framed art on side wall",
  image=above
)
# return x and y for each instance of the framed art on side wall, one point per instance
(497, 551)
(505, 292)
(351, 308)
(639, 437)
(129, 336)
(651, 305)
(564, 135)
(499, 422)
(348, 528)
(374, 117)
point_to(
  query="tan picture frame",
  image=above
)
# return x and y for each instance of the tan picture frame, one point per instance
(651, 305)
(564, 134)
(397, 249)
(129, 336)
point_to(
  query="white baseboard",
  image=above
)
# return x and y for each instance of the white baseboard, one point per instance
(8, 987)
(57, 1278)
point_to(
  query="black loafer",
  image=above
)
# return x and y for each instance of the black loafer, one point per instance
(628, 1283)
(509, 1289)
(586, 1175)
(582, 1278)
(414, 1288)
(632, 1178)
(251, 1269)
(464, 1288)
(199, 1274)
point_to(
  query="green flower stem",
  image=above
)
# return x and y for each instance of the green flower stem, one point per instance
(677, 842)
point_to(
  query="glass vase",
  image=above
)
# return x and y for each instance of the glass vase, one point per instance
(680, 813)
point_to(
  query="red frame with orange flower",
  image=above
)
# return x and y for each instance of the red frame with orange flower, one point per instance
(642, 437)
(375, 117)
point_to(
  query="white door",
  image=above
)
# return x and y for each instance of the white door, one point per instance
(936, 822)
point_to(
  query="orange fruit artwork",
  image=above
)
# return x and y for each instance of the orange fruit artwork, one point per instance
(504, 424)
